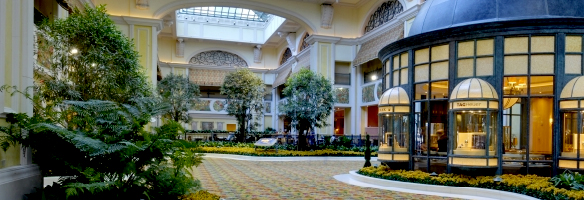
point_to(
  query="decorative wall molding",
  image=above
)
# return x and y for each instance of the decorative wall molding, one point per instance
(142, 4)
(126, 20)
(291, 39)
(180, 48)
(326, 16)
(257, 54)
(218, 58)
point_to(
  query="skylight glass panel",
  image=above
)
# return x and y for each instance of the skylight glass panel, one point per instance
(227, 13)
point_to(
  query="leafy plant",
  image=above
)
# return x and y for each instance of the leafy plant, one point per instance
(180, 93)
(85, 56)
(309, 102)
(569, 180)
(245, 93)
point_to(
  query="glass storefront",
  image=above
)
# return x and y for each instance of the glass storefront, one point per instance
(527, 129)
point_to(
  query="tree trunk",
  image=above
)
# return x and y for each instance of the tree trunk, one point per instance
(241, 135)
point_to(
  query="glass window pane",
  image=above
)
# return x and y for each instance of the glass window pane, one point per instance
(421, 91)
(387, 81)
(395, 63)
(387, 66)
(421, 73)
(440, 70)
(515, 85)
(404, 76)
(542, 64)
(573, 64)
(516, 45)
(465, 68)
(542, 85)
(439, 90)
(440, 52)
(438, 128)
(570, 136)
(485, 47)
(540, 131)
(542, 44)
(421, 122)
(395, 78)
(466, 49)
(422, 56)
(471, 137)
(573, 43)
(515, 65)
(404, 59)
(485, 66)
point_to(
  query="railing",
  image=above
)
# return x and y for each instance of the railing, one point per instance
(351, 140)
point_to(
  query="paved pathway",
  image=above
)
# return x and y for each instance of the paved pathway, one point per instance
(244, 179)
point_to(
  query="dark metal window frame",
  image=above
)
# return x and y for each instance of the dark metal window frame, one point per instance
(384, 13)
(227, 13)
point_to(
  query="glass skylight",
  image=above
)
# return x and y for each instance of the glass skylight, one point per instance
(227, 12)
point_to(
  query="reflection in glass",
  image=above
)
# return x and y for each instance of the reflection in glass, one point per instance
(395, 131)
(571, 140)
(542, 85)
(421, 122)
(439, 90)
(474, 136)
(421, 91)
(515, 85)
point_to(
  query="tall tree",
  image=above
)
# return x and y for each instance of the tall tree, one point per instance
(180, 93)
(245, 92)
(310, 102)
(85, 56)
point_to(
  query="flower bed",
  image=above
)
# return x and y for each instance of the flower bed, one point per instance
(531, 185)
(201, 195)
(249, 151)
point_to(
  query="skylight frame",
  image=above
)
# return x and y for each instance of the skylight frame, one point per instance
(227, 13)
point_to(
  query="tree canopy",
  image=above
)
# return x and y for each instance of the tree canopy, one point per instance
(245, 92)
(85, 56)
(180, 93)
(309, 102)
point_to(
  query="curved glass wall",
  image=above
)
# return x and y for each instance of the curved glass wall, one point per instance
(394, 137)
(475, 141)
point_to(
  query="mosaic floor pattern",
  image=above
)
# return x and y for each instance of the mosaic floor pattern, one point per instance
(235, 179)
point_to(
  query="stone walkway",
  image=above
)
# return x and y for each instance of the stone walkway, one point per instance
(240, 179)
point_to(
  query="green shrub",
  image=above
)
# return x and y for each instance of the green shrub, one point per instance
(569, 180)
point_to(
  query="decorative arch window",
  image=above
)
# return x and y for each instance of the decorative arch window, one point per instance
(287, 54)
(218, 58)
(386, 12)
(304, 43)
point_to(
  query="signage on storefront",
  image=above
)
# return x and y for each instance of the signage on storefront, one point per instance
(469, 104)
(385, 109)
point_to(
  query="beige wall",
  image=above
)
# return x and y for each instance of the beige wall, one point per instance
(167, 52)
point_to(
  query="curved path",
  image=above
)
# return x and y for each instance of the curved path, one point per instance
(246, 177)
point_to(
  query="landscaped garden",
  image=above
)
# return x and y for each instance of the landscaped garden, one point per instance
(249, 149)
(564, 186)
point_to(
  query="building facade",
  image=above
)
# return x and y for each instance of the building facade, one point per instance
(485, 87)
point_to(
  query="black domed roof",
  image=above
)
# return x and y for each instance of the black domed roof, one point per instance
(441, 14)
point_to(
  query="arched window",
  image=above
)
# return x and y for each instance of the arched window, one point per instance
(304, 43)
(218, 58)
(386, 12)
(287, 54)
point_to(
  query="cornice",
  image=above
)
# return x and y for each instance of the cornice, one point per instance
(225, 68)
(127, 20)
(322, 38)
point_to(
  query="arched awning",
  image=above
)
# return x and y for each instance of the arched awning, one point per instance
(572, 95)
(474, 93)
(394, 100)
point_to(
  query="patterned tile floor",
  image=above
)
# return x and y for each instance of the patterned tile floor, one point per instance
(236, 179)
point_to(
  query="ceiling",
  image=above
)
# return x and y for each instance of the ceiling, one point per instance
(274, 40)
